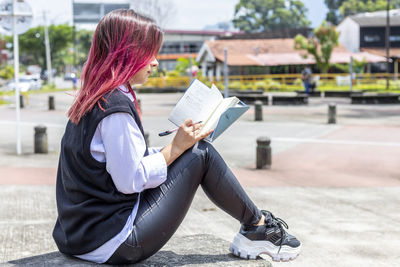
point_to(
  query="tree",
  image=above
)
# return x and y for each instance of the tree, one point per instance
(333, 15)
(266, 15)
(83, 43)
(183, 64)
(33, 50)
(320, 46)
(351, 7)
(160, 10)
(358, 66)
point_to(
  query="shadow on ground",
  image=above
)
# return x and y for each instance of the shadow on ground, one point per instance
(200, 250)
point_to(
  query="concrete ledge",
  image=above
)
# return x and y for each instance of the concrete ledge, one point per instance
(152, 90)
(300, 99)
(199, 250)
(310, 94)
(346, 93)
(375, 99)
(250, 99)
(235, 92)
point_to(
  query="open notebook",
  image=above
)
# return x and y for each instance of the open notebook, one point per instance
(202, 103)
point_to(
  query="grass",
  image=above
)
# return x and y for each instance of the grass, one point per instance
(44, 89)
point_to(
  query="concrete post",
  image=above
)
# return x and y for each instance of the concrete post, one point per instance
(258, 111)
(332, 113)
(40, 139)
(264, 157)
(21, 101)
(51, 103)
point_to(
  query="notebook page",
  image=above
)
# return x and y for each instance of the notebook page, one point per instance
(198, 103)
(213, 120)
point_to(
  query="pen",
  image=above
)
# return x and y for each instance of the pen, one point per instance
(173, 130)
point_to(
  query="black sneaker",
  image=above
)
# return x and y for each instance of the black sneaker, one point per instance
(269, 238)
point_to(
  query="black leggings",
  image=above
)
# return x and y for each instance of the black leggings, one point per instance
(162, 209)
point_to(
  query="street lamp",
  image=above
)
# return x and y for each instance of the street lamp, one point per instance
(387, 43)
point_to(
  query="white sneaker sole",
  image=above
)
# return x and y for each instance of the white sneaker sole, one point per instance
(248, 249)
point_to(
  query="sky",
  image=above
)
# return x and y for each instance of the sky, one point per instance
(189, 14)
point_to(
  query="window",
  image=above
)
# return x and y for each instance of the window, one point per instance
(372, 38)
(394, 38)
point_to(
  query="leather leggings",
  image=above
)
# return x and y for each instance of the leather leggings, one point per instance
(162, 209)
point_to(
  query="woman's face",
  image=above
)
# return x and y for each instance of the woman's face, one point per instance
(141, 76)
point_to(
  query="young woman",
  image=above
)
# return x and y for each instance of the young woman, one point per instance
(120, 201)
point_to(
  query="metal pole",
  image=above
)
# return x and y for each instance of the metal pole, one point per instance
(351, 74)
(387, 43)
(226, 72)
(190, 68)
(73, 42)
(48, 57)
(16, 72)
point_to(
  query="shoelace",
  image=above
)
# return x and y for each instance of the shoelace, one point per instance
(275, 221)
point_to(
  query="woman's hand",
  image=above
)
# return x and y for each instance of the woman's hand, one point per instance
(187, 135)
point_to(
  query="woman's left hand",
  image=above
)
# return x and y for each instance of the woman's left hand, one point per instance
(187, 135)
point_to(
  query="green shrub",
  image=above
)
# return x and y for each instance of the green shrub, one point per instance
(173, 74)
(273, 85)
(260, 85)
(7, 72)
(298, 82)
(235, 85)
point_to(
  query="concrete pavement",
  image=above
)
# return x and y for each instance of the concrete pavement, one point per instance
(337, 186)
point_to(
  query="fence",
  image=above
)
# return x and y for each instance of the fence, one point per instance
(288, 82)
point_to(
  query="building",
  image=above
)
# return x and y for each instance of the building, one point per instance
(184, 44)
(367, 32)
(177, 43)
(258, 56)
(87, 13)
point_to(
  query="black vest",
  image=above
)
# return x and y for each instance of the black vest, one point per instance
(90, 208)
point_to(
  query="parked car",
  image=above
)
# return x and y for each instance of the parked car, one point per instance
(69, 76)
(43, 74)
(26, 83)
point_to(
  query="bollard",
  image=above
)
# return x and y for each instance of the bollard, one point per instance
(21, 101)
(51, 103)
(258, 110)
(331, 113)
(146, 137)
(264, 157)
(40, 139)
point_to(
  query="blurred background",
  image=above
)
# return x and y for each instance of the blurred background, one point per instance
(321, 77)
(268, 43)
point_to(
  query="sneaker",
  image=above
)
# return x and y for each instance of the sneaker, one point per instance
(269, 238)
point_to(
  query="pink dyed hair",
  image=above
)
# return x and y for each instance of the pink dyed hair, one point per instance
(124, 42)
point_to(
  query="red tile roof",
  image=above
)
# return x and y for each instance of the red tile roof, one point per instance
(393, 52)
(273, 52)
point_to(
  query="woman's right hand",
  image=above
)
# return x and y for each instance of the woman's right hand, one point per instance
(187, 135)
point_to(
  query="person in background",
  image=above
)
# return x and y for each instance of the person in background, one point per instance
(118, 200)
(306, 77)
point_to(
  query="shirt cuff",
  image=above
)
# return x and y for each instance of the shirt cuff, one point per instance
(153, 150)
(156, 168)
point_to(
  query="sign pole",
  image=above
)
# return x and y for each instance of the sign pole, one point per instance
(15, 17)
(351, 73)
(48, 56)
(16, 74)
(226, 93)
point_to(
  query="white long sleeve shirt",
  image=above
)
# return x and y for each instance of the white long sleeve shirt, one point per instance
(119, 142)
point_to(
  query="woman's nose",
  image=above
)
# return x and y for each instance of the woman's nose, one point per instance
(154, 63)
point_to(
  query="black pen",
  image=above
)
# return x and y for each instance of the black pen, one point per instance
(173, 130)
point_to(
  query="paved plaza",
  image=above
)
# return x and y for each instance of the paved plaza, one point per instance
(336, 185)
